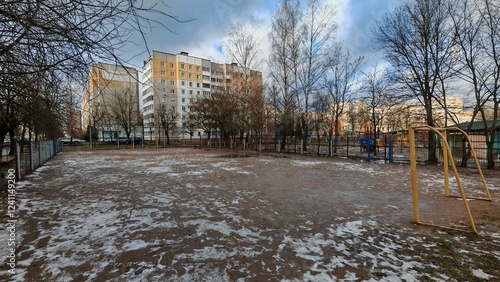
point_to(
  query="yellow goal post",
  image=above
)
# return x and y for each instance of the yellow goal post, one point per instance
(447, 155)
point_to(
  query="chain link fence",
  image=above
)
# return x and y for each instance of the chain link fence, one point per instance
(25, 157)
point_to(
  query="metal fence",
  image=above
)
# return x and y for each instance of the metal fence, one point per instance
(387, 147)
(25, 157)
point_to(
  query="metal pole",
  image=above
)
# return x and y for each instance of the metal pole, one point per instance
(369, 149)
(39, 153)
(32, 164)
(445, 165)
(18, 161)
(414, 182)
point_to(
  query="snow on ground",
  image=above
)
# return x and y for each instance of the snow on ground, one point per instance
(181, 216)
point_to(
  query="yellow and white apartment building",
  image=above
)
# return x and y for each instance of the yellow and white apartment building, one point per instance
(108, 87)
(175, 81)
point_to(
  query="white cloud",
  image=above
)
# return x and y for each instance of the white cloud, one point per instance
(203, 36)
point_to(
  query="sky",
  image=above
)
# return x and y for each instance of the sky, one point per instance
(207, 22)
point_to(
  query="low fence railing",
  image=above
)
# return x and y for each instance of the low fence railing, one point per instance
(26, 157)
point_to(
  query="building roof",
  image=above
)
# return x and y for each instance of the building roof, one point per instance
(476, 125)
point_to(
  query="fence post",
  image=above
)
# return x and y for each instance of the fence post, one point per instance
(39, 153)
(369, 150)
(390, 151)
(18, 161)
(54, 146)
(347, 139)
(32, 163)
(330, 147)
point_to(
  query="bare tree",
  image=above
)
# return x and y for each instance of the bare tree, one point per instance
(318, 28)
(415, 40)
(379, 98)
(321, 107)
(57, 41)
(340, 82)
(217, 111)
(283, 65)
(490, 13)
(166, 119)
(242, 48)
(69, 34)
(475, 24)
(123, 108)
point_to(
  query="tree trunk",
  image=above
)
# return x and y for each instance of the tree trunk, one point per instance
(466, 153)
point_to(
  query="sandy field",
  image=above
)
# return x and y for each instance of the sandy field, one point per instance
(186, 214)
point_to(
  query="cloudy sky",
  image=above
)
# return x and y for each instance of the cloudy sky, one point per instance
(211, 20)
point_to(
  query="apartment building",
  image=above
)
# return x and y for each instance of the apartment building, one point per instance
(171, 83)
(111, 102)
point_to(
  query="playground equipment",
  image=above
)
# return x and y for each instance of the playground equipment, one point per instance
(442, 132)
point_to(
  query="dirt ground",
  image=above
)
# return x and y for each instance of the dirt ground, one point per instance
(215, 215)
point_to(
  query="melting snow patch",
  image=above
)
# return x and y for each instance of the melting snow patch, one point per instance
(306, 163)
(22, 184)
(479, 273)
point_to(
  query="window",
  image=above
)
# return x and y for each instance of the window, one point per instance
(172, 91)
(182, 74)
(190, 84)
(191, 92)
(183, 83)
(184, 117)
(172, 83)
(190, 67)
(198, 92)
(183, 108)
(191, 100)
(190, 76)
(172, 74)
(164, 99)
(183, 100)
(182, 66)
(197, 68)
(162, 72)
(197, 76)
(162, 81)
(162, 64)
(163, 90)
(205, 69)
(171, 66)
(183, 91)
(172, 100)
(198, 85)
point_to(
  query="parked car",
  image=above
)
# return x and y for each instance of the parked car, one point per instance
(125, 140)
(78, 141)
(67, 140)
